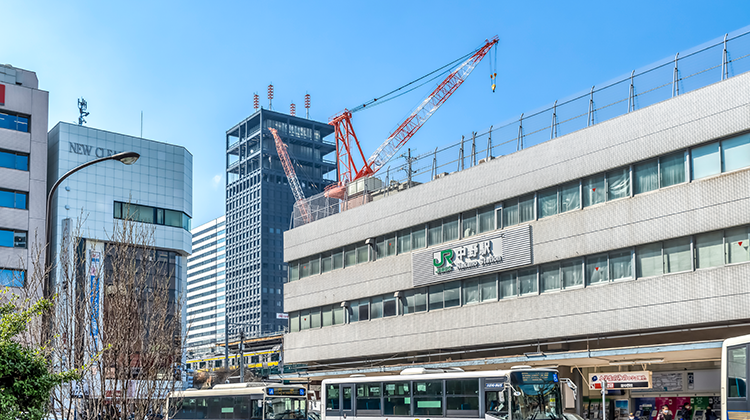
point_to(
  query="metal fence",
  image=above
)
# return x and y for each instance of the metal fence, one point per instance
(698, 67)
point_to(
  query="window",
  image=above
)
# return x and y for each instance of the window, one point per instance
(488, 288)
(332, 397)
(418, 239)
(12, 278)
(304, 319)
(618, 184)
(376, 307)
(737, 372)
(363, 253)
(151, 215)
(14, 160)
(518, 210)
(428, 398)
(350, 256)
(470, 291)
(397, 401)
(12, 238)
(462, 397)
(469, 224)
(404, 241)
(386, 246)
(648, 260)
(294, 321)
(597, 269)
(416, 301)
(452, 294)
(13, 199)
(547, 203)
(705, 160)
(672, 169)
(621, 265)
(368, 399)
(550, 277)
(709, 250)
(677, 255)
(593, 190)
(558, 200)
(337, 259)
(486, 217)
(646, 176)
(434, 233)
(572, 273)
(507, 285)
(436, 297)
(327, 316)
(527, 282)
(735, 153)
(389, 305)
(14, 122)
(737, 245)
(326, 262)
(338, 315)
(315, 320)
(450, 228)
(570, 197)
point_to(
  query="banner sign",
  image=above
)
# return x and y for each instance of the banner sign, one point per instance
(94, 276)
(621, 380)
(2, 94)
(477, 255)
(282, 316)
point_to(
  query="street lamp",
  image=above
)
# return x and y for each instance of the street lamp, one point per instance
(127, 158)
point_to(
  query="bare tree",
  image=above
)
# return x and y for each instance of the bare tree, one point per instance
(118, 319)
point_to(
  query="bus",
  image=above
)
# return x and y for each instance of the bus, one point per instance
(246, 401)
(735, 371)
(521, 393)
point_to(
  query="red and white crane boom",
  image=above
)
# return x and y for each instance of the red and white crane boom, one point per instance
(344, 131)
(291, 175)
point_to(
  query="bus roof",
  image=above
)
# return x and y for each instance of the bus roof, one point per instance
(230, 390)
(433, 375)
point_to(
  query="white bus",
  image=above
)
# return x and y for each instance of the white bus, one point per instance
(735, 370)
(521, 393)
(244, 401)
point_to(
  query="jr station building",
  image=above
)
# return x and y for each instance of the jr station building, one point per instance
(620, 247)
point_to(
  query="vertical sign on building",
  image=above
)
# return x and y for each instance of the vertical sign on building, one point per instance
(94, 276)
(2, 94)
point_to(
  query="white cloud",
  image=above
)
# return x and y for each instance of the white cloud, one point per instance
(216, 180)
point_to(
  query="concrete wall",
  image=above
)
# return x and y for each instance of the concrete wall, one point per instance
(716, 295)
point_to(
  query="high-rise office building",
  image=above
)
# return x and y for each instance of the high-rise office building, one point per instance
(23, 173)
(206, 287)
(259, 206)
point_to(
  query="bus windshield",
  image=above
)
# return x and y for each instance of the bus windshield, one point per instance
(540, 395)
(285, 408)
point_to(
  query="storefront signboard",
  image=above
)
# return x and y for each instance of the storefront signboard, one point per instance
(477, 255)
(621, 380)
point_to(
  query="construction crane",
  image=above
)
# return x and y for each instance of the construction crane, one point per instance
(347, 143)
(291, 175)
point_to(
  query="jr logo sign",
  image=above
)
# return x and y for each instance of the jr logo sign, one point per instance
(469, 256)
(444, 263)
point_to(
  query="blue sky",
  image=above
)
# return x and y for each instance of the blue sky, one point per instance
(192, 67)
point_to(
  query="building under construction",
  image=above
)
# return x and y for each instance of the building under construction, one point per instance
(258, 208)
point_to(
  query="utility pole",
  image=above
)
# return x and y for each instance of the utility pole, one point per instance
(604, 399)
(242, 356)
(409, 161)
(226, 341)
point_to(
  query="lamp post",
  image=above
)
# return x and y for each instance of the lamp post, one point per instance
(128, 158)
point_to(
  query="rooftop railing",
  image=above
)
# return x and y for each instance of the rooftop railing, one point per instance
(698, 67)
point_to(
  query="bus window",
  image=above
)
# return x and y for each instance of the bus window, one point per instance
(463, 397)
(495, 404)
(428, 398)
(737, 372)
(397, 400)
(257, 409)
(368, 399)
(332, 397)
(347, 391)
(241, 407)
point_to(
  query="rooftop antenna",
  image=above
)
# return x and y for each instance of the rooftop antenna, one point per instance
(293, 109)
(256, 101)
(307, 106)
(82, 106)
(270, 96)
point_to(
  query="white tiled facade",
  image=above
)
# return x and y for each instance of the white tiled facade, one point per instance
(206, 287)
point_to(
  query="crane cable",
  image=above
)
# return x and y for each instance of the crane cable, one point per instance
(446, 68)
